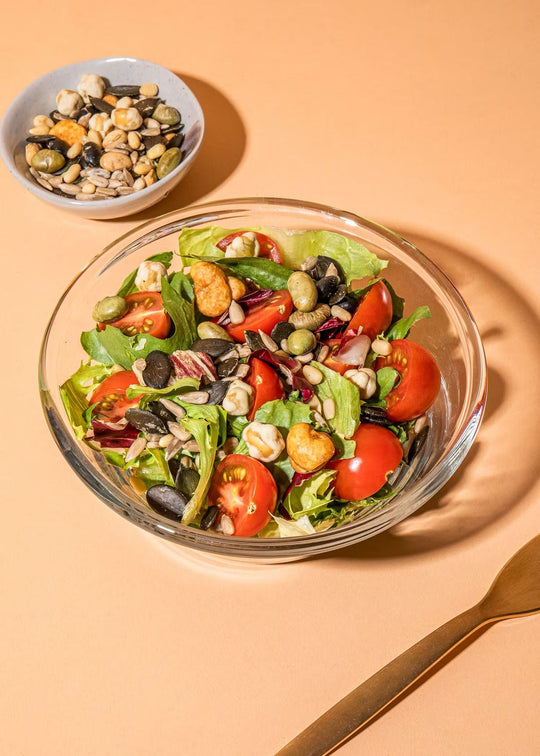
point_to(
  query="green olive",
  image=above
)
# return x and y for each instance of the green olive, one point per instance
(109, 308)
(48, 161)
(301, 341)
(303, 291)
(166, 114)
(209, 330)
(168, 161)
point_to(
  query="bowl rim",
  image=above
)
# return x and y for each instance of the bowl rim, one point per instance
(67, 202)
(279, 549)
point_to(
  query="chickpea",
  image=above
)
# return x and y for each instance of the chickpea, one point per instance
(264, 441)
(212, 291)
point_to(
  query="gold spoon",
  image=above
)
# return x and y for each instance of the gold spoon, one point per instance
(514, 592)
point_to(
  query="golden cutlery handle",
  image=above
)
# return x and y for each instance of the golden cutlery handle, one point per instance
(376, 693)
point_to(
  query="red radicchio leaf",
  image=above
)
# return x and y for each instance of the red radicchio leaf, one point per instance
(286, 366)
(331, 329)
(255, 297)
(297, 479)
(109, 438)
(188, 364)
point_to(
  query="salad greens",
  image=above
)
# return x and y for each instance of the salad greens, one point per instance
(127, 422)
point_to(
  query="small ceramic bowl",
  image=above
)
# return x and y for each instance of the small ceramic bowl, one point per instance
(40, 98)
(450, 335)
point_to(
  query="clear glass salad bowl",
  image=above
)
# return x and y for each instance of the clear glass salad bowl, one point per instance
(450, 335)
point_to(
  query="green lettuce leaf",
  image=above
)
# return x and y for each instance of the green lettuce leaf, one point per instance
(355, 259)
(279, 527)
(112, 346)
(74, 391)
(400, 330)
(151, 467)
(194, 243)
(312, 496)
(206, 433)
(128, 284)
(283, 414)
(346, 398)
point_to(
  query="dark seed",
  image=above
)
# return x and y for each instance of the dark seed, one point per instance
(227, 367)
(282, 331)
(326, 287)
(339, 294)
(174, 466)
(91, 155)
(417, 444)
(102, 105)
(151, 141)
(145, 421)
(173, 128)
(209, 518)
(158, 369)
(166, 501)
(56, 116)
(254, 341)
(57, 144)
(147, 106)
(162, 412)
(322, 265)
(39, 138)
(217, 391)
(349, 304)
(213, 347)
(176, 141)
(124, 90)
(187, 480)
(375, 415)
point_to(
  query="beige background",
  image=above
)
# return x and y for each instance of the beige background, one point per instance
(422, 116)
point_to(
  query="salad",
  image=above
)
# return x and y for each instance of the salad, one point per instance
(258, 382)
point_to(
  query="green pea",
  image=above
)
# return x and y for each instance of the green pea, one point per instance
(209, 330)
(108, 309)
(166, 114)
(301, 341)
(48, 161)
(168, 162)
(303, 291)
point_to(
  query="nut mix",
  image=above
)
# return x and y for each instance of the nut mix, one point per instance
(104, 141)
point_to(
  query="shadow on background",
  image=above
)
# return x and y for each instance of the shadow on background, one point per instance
(505, 456)
(221, 152)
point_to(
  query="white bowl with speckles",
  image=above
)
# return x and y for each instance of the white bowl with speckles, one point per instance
(40, 97)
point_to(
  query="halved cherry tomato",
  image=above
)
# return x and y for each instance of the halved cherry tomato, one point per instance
(244, 490)
(338, 367)
(419, 384)
(111, 397)
(263, 316)
(268, 247)
(265, 382)
(374, 313)
(376, 455)
(145, 314)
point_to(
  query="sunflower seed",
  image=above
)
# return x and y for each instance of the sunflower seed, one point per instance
(196, 397)
(179, 432)
(173, 407)
(136, 448)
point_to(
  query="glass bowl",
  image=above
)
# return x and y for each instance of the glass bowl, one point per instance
(450, 335)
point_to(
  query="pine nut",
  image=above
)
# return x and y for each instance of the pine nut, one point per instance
(236, 313)
(88, 188)
(329, 408)
(74, 151)
(156, 151)
(39, 130)
(72, 173)
(339, 312)
(313, 375)
(148, 90)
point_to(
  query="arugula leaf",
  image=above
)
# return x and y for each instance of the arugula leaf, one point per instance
(128, 284)
(397, 302)
(74, 391)
(112, 346)
(386, 380)
(182, 285)
(400, 330)
(265, 273)
(312, 496)
(346, 398)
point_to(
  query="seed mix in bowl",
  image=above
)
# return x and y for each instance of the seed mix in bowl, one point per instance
(104, 141)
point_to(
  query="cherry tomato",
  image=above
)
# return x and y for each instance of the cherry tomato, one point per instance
(145, 314)
(377, 454)
(268, 247)
(266, 384)
(111, 397)
(264, 315)
(244, 490)
(338, 367)
(419, 384)
(374, 313)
